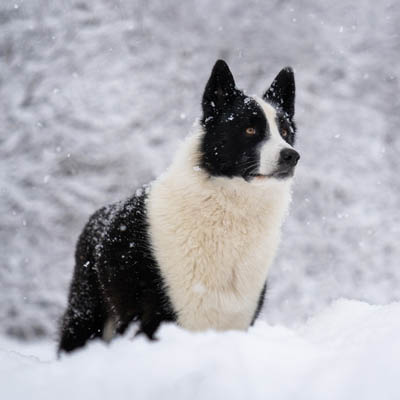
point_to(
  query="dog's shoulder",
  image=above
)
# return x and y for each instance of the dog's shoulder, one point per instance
(119, 227)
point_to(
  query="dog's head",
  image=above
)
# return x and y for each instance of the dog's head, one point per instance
(245, 136)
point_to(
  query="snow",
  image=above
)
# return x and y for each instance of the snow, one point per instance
(349, 351)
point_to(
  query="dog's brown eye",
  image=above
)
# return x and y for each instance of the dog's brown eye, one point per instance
(284, 132)
(250, 131)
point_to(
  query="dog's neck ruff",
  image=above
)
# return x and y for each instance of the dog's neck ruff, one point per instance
(214, 239)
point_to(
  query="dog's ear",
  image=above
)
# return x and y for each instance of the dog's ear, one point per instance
(220, 89)
(282, 91)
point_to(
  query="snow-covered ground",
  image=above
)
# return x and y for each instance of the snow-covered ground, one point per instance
(349, 351)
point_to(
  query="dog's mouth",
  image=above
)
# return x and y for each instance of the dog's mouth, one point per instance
(278, 174)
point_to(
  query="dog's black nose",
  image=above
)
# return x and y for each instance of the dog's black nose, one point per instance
(289, 157)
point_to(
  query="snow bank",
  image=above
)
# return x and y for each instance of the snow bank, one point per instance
(350, 351)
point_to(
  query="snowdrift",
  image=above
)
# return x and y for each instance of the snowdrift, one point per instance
(349, 351)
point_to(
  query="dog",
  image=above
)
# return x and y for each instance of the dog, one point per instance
(195, 246)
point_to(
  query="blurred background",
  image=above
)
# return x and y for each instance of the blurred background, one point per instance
(95, 96)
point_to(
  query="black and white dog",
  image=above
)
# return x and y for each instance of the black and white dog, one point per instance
(195, 246)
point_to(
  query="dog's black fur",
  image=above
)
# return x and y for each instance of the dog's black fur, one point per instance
(115, 275)
(281, 94)
(227, 112)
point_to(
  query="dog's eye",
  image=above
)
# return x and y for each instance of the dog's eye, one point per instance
(250, 131)
(284, 132)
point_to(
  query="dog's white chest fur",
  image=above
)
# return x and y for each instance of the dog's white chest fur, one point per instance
(214, 240)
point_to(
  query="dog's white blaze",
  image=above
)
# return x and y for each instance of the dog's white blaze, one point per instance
(214, 240)
(270, 151)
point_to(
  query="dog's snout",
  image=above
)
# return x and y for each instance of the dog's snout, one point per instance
(289, 157)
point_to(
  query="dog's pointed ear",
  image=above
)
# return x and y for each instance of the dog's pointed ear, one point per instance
(282, 91)
(220, 89)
